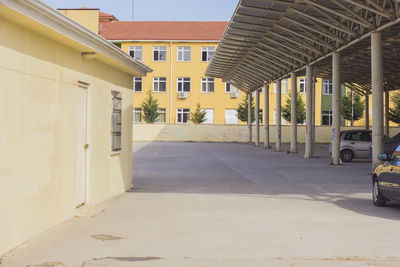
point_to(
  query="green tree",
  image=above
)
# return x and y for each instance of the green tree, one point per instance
(198, 116)
(352, 112)
(394, 113)
(242, 110)
(150, 108)
(301, 109)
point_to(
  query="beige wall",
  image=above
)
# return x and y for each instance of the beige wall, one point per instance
(86, 17)
(223, 133)
(39, 100)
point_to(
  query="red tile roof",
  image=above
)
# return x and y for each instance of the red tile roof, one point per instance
(103, 16)
(163, 30)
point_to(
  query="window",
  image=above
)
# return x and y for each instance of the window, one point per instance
(260, 116)
(284, 86)
(207, 85)
(136, 52)
(183, 85)
(207, 53)
(137, 115)
(327, 87)
(159, 84)
(162, 117)
(358, 136)
(184, 53)
(231, 116)
(230, 88)
(302, 86)
(182, 115)
(327, 117)
(137, 84)
(209, 116)
(396, 157)
(283, 121)
(159, 53)
(116, 120)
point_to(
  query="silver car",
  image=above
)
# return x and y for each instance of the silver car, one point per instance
(355, 144)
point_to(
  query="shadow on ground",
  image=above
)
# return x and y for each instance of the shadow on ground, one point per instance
(241, 169)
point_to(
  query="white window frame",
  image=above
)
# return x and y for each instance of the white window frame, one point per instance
(207, 82)
(236, 114)
(284, 86)
(327, 87)
(302, 81)
(137, 111)
(162, 111)
(208, 50)
(136, 49)
(213, 115)
(181, 51)
(181, 80)
(328, 113)
(116, 121)
(159, 49)
(157, 80)
(134, 84)
(182, 111)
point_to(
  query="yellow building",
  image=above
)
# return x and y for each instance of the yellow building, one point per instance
(65, 116)
(179, 52)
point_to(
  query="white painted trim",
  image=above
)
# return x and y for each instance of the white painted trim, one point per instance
(56, 21)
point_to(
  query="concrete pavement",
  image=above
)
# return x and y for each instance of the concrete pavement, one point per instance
(212, 204)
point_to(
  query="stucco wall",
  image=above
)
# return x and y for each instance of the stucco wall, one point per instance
(38, 138)
(224, 133)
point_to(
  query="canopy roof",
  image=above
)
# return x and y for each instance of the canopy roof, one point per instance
(267, 39)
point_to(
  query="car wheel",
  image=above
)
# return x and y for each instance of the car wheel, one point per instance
(377, 197)
(346, 155)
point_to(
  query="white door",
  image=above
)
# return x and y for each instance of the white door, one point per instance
(81, 144)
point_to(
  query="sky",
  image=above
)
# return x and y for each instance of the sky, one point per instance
(204, 10)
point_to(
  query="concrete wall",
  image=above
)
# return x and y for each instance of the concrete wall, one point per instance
(224, 133)
(39, 114)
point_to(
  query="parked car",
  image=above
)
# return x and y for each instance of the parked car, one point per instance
(386, 179)
(355, 144)
(390, 144)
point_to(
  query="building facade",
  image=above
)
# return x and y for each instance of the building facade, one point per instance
(65, 114)
(179, 53)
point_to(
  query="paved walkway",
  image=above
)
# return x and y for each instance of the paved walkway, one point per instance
(206, 204)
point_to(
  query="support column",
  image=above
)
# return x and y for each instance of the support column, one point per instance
(377, 97)
(366, 112)
(257, 118)
(387, 101)
(266, 117)
(336, 108)
(249, 116)
(293, 116)
(309, 112)
(278, 135)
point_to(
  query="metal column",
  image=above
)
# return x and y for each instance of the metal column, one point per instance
(309, 112)
(336, 108)
(257, 118)
(249, 116)
(266, 117)
(293, 117)
(387, 103)
(278, 135)
(377, 96)
(366, 112)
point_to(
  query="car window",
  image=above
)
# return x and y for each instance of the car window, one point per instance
(396, 156)
(358, 136)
